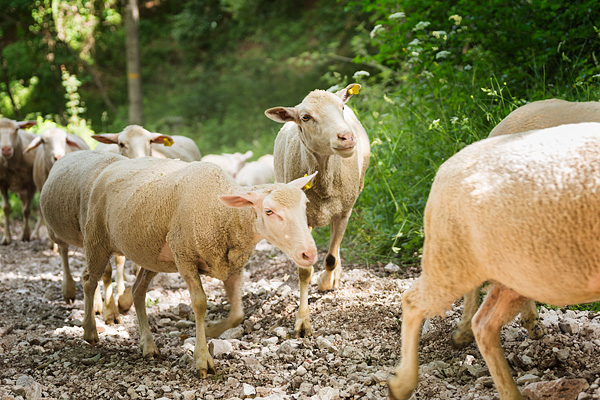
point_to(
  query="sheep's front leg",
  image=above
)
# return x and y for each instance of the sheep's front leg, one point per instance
(204, 362)
(109, 309)
(6, 208)
(68, 284)
(27, 200)
(530, 320)
(302, 326)
(233, 286)
(140, 287)
(499, 307)
(406, 376)
(36, 230)
(125, 298)
(330, 277)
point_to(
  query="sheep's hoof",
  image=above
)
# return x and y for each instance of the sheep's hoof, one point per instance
(91, 337)
(208, 367)
(325, 281)
(461, 339)
(537, 330)
(302, 328)
(125, 301)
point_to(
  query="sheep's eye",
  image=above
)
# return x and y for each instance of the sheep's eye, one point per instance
(306, 118)
(121, 145)
(268, 212)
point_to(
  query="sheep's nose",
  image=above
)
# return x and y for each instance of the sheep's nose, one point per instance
(57, 156)
(345, 136)
(309, 256)
(6, 151)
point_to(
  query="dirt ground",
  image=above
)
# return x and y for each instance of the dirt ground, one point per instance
(354, 347)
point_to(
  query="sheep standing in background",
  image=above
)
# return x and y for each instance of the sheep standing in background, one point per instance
(63, 203)
(536, 115)
(267, 159)
(53, 143)
(255, 173)
(231, 163)
(16, 171)
(520, 211)
(322, 134)
(135, 142)
(191, 218)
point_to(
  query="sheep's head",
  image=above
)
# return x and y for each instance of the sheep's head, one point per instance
(55, 143)
(134, 141)
(9, 137)
(281, 217)
(322, 122)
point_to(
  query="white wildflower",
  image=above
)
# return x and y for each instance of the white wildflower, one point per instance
(468, 67)
(421, 26)
(415, 54)
(456, 18)
(427, 74)
(376, 142)
(334, 88)
(361, 74)
(387, 99)
(397, 15)
(453, 120)
(435, 124)
(414, 42)
(440, 34)
(376, 30)
(442, 54)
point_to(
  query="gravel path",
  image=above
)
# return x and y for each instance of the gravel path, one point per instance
(354, 347)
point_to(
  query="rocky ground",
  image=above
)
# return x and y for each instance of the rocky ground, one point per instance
(354, 347)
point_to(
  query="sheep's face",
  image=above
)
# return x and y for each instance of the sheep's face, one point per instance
(322, 120)
(281, 218)
(236, 161)
(9, 137)
(55, 144)
(134, 141)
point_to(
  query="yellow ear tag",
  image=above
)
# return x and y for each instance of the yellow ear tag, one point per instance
(308, 185)
(354, 89)
(168, 141)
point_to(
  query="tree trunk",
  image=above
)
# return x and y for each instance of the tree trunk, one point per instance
(134, 79)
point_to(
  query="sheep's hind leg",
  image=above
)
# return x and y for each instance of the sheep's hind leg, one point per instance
(124, 297)
(27, 200)
(236, 314)
(329, 279)
(302, 326)
(463, 335)
(140, 287)
(110, 314)
(68, 284)
(96, 264)
(531, 321)
(499, 307)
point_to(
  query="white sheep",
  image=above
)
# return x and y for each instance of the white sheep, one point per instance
(255, 173)
(536, 115)
(16, 171)
(135, 141)
(63, 203)
(231, 163)
(322, 133)
(520, 211)
(191, 218)
(53, 144)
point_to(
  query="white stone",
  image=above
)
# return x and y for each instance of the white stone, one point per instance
(219, 347)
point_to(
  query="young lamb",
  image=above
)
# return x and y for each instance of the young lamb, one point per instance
(135, 142)
(255, 173)
(191, 218)
(53, 144)
(63, 203)
(231, 163)
(520, 211)
(16, 171)
(536, 115)
(322, 133)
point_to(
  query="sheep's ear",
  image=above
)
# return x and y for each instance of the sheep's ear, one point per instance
(159, 138)
(240, 199)
(73, 143)
(26, 124)
(248, 154)
(346, 93)
(282, 114)
(303, 183)
(34, 143)
(108, 138)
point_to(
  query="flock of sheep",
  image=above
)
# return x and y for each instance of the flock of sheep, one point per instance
(519, 210)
